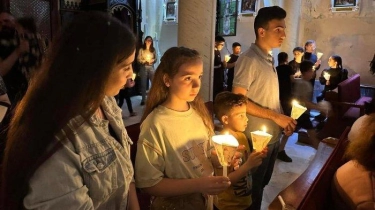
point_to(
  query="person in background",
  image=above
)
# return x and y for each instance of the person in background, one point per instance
(230, 109)
(12, 48)
(173, 160)
(285, 75)
(309, 55)
(67, 145)
(125, 93)
(219, 66)
(298, 54)
(256, 78)
(354, 182)
(147, 58)
(236, 47)
(331, 77)
(301, 91)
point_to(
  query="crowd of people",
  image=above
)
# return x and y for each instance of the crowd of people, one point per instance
(67, 146)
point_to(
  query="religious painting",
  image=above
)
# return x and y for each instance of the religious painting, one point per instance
(170, 12)
(226, 21)
(248, 6)
(344, 3)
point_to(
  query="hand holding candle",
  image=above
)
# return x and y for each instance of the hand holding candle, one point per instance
(260, 139)
(326, 76)
(148, 58)
(297, 110)
(226, 146)
(227, 58)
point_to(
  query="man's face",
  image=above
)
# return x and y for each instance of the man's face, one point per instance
(274, 35)
(6, 21)
(219, 45)
(237, 50)
(310, 47)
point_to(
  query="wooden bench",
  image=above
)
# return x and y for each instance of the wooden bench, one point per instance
(347, 106)
(311, 190)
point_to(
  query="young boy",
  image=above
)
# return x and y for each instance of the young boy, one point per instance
(302, 92)
(230, 109)
(219, 66)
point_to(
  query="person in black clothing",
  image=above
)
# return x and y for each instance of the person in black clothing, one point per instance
(295, 63)
(219, 66)
(125, 94)
(310, 47)
(285, 75)
(331, 77)
(236, 47)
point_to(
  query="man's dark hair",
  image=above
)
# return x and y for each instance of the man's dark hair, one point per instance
(282, 57)
(305, 66)
(219, 39)
(299, 49)
(236, 44)
(265, 15)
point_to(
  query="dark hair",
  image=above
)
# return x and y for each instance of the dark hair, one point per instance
(169, 66)
(28, 23)
(236, 44)
(306, 66)
(309, 42)
(225, 101)
(219, 39)
(338, 59)
(362, 149)
(152, 49)
(282, 57)
(267, 14)
(71, 83)
(299, 49)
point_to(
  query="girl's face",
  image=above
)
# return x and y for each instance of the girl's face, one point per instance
(148, 41)
(119, 76)
(332, 63)
(185, 85)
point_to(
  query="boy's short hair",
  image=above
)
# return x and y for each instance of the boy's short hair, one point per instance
(300, 49)
(236, 44)
(267, 14)
(225, 101)
(219, 39)
(282, 57)
(305, 66)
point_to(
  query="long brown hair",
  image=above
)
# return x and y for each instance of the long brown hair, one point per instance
(152, 48)
(169, 65)
(71, 82)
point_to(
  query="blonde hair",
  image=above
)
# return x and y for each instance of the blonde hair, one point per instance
(170, 64)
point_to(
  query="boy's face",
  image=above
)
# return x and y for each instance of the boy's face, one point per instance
(274, 35)
(219, 45)
(237, 50)
(236, 120)
(297, 54)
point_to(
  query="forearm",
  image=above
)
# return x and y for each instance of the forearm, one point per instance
(7, 64)
(258, 111)
(173, 187)
(132, 198)
(238, 174)
(231, 65)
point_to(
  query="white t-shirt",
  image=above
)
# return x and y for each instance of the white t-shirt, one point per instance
(173, 145)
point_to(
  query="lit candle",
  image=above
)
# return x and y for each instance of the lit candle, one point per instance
(260, 138)
(319, 55)
(326, 75)
(226, 58)
(133, 76)
(226, 146)
(297, 110)
(148, 57)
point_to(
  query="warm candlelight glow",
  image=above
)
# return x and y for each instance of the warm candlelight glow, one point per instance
(297, 110)
(326, 74)
(295, 102)
(264, 129)
(227, 57)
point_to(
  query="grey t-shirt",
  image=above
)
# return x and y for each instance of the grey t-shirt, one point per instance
(255, 72)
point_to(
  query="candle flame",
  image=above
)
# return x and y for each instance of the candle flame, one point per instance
(294, 102)
(264, 129)
(226, 133)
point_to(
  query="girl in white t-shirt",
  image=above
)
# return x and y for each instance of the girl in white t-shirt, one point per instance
(173, 161)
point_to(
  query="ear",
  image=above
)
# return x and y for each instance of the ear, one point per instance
(224, 119)
(166, 80)
(261, 32)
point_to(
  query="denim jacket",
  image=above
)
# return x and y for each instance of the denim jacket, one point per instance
(92, 170)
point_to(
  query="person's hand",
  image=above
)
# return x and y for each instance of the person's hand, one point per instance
(237, 157)
(213, 185)
(317, 64)
(254, 159)
(286, 122)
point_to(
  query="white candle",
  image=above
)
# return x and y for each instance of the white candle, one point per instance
(297, 110)
(260, 139)
(226, 146)
(281, 201)
(319, 55)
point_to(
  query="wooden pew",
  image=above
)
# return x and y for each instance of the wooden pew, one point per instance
(311, 191)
